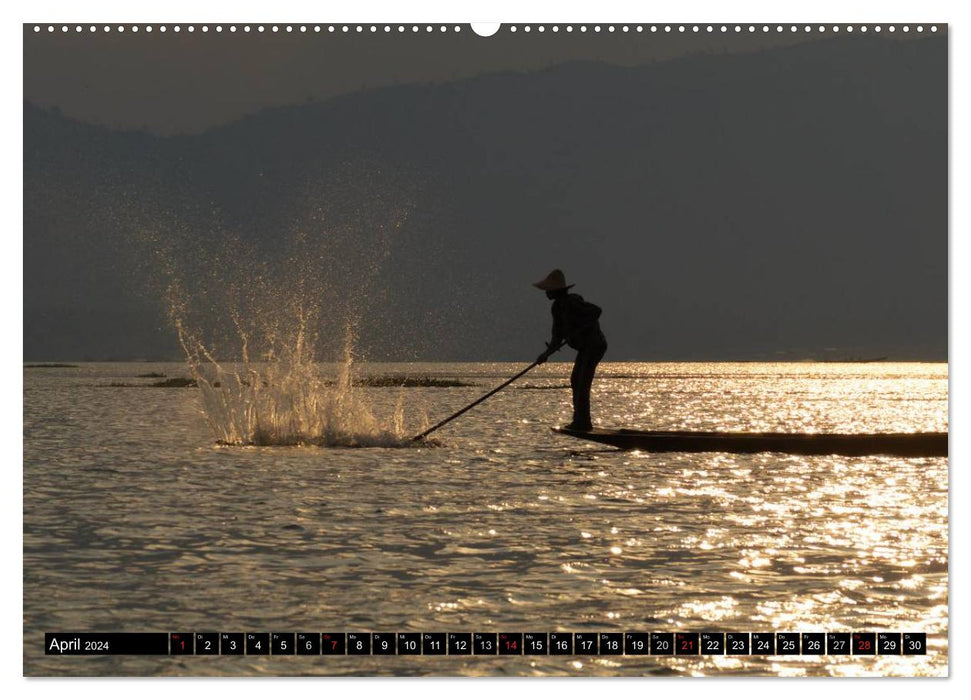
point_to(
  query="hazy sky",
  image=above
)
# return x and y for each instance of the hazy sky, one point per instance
(185, 82)
(818, 173)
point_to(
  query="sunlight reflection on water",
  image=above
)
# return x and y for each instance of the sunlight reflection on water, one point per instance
(134, 520)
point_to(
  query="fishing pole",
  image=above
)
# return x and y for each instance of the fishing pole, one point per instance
(483, 398)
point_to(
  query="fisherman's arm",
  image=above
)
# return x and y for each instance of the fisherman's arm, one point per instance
(556, 339)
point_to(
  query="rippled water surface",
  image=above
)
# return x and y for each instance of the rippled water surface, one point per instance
(135, 520)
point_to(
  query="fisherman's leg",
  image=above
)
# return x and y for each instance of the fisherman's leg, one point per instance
(575, 382)
(581, 381)
(591, 359)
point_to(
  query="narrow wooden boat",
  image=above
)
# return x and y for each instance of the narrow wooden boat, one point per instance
(860, 444)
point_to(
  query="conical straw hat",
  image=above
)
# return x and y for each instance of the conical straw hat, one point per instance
(554, 281)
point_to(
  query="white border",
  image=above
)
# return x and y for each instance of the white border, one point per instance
(386, 11)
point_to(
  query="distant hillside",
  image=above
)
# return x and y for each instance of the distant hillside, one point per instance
(740, 206)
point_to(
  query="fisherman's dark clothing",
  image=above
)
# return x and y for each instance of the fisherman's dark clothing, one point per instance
(581, 380)
(576, 322)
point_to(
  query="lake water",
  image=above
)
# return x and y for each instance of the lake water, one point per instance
(136, 520)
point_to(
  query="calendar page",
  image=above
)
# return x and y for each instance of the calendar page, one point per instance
(513, 349)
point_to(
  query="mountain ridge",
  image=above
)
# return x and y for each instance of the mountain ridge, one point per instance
(719, 166)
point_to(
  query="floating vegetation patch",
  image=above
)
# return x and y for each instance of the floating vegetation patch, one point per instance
(393, 381)
(176, 382)
(401, 380)
(173, 383)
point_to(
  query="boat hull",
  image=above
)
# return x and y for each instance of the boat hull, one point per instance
(855, 445)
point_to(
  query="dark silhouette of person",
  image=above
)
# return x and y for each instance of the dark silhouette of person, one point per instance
(577, 322)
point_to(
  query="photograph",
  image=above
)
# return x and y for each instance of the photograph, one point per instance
(451, 350)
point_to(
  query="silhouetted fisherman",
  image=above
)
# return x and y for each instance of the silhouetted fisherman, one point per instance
(576, 322)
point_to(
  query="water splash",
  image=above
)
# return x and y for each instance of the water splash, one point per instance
(255, 328)
(290, 400)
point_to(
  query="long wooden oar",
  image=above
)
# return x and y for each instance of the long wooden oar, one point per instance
(483, 398)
